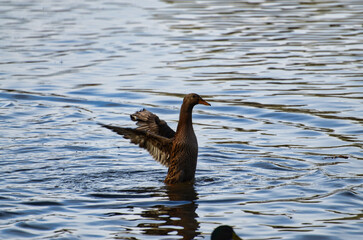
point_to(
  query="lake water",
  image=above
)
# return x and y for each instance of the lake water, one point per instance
(280, 149)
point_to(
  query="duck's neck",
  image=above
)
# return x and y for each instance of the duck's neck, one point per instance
(185, 118)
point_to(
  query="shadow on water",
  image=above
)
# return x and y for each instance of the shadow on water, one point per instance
(174, 216)
(181, 217)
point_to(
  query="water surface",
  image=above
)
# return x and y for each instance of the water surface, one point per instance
(280, 149)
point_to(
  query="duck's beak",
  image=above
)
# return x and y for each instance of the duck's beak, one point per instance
(201, 101)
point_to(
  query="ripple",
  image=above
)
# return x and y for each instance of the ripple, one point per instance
(42, 203)
(37, 226)
(10, 232)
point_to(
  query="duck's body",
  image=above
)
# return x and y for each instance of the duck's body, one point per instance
(176, 150)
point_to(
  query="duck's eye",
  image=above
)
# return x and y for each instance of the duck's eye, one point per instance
(194, 95)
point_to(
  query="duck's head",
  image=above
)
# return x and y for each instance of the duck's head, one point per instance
(193, 99)
(224, 232)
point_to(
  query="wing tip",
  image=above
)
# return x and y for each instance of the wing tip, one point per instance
(137, 116)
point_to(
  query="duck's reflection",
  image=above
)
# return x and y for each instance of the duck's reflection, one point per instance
(178, 215)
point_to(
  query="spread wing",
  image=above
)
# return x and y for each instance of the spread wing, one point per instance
(158, 146)
(149, 122)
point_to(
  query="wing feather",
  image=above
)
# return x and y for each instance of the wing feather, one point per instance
(149, 122)
(159, 147)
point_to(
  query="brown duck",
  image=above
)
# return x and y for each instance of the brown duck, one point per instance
(176, 150)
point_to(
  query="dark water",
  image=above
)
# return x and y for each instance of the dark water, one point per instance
(280, 148)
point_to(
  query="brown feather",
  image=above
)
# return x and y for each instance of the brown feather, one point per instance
(176, 150)
(149, 122)
(158, 146)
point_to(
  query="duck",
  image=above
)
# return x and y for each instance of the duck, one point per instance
(178, 151)
(224, 232)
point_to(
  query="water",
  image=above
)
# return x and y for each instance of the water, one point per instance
(280, 149)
